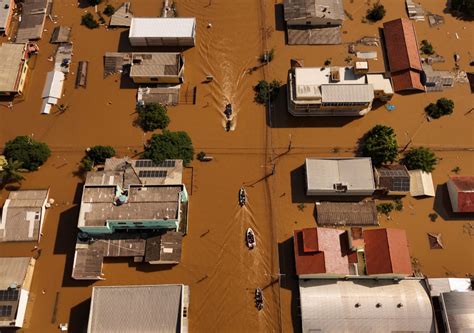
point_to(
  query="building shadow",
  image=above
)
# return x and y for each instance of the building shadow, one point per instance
(289, 280)
(279, 117)
(442, 206)
(298, 186)
(79, 317)
(149, 268)
(279, 17)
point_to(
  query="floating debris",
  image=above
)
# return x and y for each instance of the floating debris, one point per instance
(435, 20)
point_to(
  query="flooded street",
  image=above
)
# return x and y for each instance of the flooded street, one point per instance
(221, 272)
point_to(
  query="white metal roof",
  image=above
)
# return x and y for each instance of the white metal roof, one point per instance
(54, 85)
(421, 183)
(379, 82)
(162, 27)
(13, 270)
(356, 173)
(346, 93)
(148, 308)
(330, 306)
(446, 285)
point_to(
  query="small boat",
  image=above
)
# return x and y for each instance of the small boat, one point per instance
(242, 196)
(228, 110)
(259, 299)
(250, 237)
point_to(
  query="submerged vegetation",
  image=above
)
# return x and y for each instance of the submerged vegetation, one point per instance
(152, 116)
(442, 107)
(266, 92)
(376, 12)
(380, 144)
(30, 153)
(89, 21)
(420, 158)
(169, 145)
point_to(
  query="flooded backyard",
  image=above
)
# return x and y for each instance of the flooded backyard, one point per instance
(221, 272)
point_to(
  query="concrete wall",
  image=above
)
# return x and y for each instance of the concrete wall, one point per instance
(160, 41)
(453, 196)
(157, 79)
(314, 22)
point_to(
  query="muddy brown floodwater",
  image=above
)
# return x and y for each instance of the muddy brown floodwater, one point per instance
(221, 272)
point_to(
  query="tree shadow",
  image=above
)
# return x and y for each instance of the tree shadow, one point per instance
(279, 117)
(79, 317)
(458, 15)
(84, 4)
(289, 279)
(442, 206)
(279, 17)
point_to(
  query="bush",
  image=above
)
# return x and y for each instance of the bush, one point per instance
(86, 164)
(10, 172)
(89, 21)
(420, 158)
(30, 153)
(433, 217)
(200, 156)
(109, 10)
(152, 116)
(385, 208)
(426, 47)
(98, 154)
(442, 107)
(170, 145)
(265, 92)
(376, 13)
(398, 205)
(380, 144)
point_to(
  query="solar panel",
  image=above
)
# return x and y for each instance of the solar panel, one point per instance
(151, 164)
(152, 174)
(401, 184)
(5, 310)
(9, 295)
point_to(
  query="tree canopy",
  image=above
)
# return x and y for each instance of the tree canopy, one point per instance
(420, 158)
(376, 12)
(98, 154)
(442, 107)
(152, 116)
(30, 153)
(169, 145)
(9, 173)
(266, 91)
(380, 144)
(465, 7)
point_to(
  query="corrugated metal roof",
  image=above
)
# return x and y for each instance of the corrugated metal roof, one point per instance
(421, 183)
(155, 64)
(328, 9)
(459, 308)
(356, 173)
(162, 27)
(330, 306)
(346, 213)
(314, 36)
(347, 93)
(54, 85)
(13, 270)
(12, 56)
(152, 308)
(33, 16)
(122, 16)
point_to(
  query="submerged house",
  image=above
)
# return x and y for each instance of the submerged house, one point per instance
(13, 68)
(162, 31)
(133, 208)
(313, 21)
(16, 274)
(326, 253)
(461, 193)
(7, 7)
(157, 68)
(33, 17)
(144, 308)
(52, 91)
(23, 215)
(403, 55)
(334, 91)
(339, 176)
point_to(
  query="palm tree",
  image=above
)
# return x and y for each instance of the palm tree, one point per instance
(10, 173)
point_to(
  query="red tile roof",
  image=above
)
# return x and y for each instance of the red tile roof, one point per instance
(403, 55)
(386, 252)
(321, 251)
(465, 190)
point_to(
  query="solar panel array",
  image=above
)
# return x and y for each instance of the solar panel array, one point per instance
(6, 310)
(393, 173)
(401, 184)
(152, 174)
(9, 295)
(151, 164)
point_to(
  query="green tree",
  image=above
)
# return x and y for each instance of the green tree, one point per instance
(30, 153)
(265, 91)
(152, 116)
(380, 144)
(442, 107)
(169, 145)
(465, 7)
(109, 10)
(10, 172)
(420, 158)
(98, 154)
(376, 12)
(426, 47)
(89, 21)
